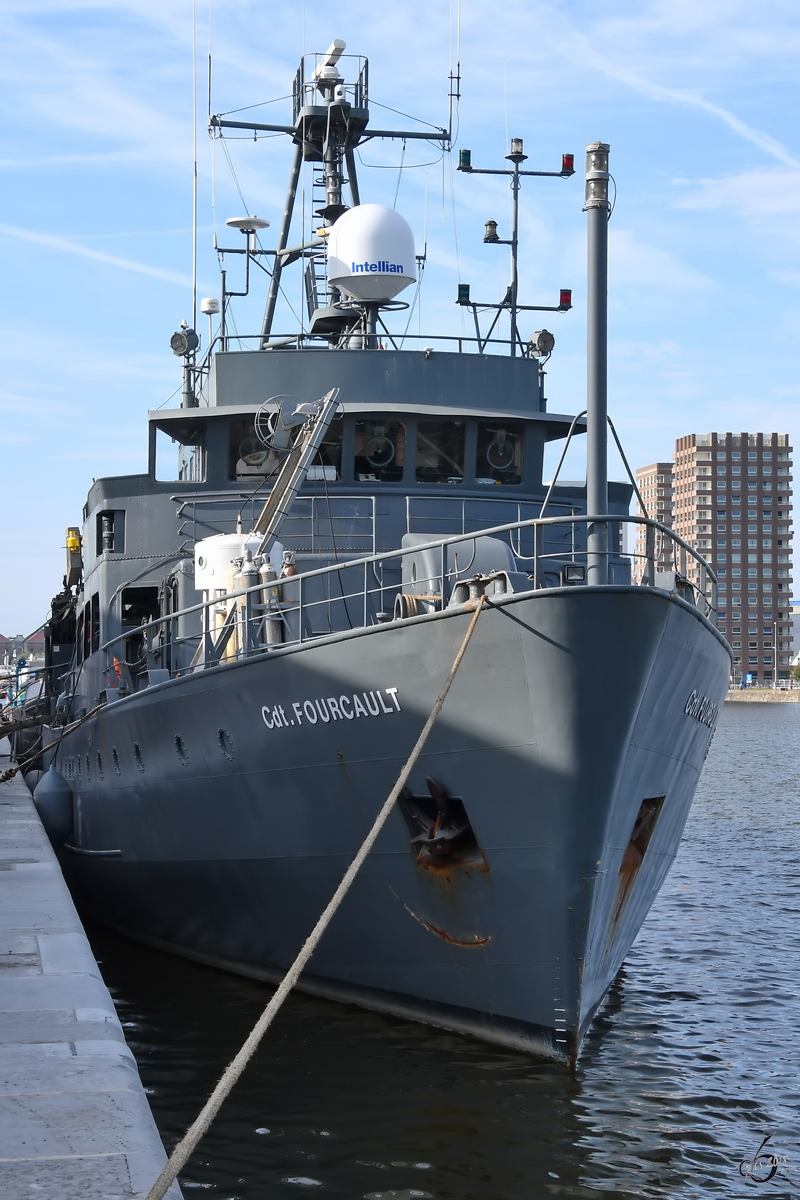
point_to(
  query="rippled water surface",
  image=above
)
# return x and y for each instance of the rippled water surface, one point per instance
(695, 1059)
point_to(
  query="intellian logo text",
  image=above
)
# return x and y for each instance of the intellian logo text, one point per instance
(385, 267)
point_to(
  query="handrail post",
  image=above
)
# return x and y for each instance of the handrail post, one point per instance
(537, 549)
(682, 562)
(248, 640)
(649, 573)
(703, 583)
(208, 641)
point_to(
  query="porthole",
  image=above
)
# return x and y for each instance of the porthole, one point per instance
(99, 766)
(137, 754)
(226, 744)
(115, 758)
(180, 746)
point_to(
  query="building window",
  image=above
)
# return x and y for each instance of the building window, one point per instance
(722, 558)
(721, 542)
(752, 454)
(752, 543)
(736, 645)
(736, 470)
(721, 454)
(766, 470)
(736, 542)
(736, 587)
(767, 454)
(767, 571)
(753, 660)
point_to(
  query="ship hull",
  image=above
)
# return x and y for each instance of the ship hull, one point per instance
(215, 814)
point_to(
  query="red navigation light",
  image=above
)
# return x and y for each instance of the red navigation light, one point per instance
(567, 164)
(565, 299)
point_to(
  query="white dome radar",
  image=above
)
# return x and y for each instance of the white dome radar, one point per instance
(371, 254)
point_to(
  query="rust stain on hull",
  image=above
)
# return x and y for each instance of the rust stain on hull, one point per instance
(469, 943)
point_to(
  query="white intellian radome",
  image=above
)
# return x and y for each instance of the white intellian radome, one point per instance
(371, 253)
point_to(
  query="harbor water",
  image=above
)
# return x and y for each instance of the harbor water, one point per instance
(693, 1062)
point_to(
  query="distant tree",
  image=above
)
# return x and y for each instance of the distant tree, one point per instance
(796, 673)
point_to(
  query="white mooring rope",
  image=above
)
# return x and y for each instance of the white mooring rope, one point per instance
(200, 1126)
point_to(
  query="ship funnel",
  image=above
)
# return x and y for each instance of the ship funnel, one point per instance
(371, 254)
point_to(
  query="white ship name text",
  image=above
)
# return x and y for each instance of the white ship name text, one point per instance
(702, 709)
(349, 707)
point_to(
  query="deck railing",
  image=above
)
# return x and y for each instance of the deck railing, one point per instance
(273, 614)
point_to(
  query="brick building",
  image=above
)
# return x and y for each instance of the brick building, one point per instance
(733, 503)
(655, 484)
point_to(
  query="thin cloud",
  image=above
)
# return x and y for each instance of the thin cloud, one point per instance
(754, 193)
(575, 46)
(111, 260)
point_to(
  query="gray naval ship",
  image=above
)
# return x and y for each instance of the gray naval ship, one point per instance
(246, 649)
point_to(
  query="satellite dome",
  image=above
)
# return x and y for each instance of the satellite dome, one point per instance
(371, 253)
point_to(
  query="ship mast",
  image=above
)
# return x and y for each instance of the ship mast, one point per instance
(330, 121)
(597, 207)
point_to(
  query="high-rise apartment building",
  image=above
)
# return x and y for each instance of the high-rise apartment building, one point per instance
(733, 503)
(655, 485)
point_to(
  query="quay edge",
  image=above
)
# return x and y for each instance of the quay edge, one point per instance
(75, 1123)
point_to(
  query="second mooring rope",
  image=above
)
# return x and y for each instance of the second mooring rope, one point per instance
(188, 1143)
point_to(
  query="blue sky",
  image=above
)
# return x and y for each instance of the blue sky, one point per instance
(698, 100)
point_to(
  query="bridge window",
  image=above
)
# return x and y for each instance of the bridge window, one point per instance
(499, 455)
(440, 452)
(180, 452)
(380, 451)
(250, 458)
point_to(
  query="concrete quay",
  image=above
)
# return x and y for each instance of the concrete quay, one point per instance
(764, 695)
(75, 1123)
